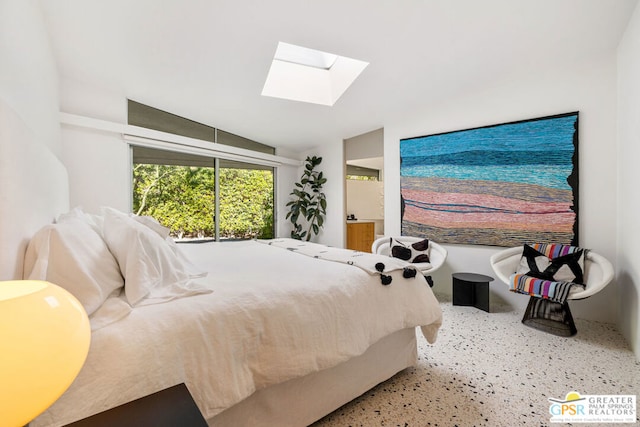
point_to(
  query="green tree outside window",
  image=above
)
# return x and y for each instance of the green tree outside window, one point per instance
(183, 199)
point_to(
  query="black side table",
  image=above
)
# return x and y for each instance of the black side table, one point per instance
(471, 289)
(171, 407)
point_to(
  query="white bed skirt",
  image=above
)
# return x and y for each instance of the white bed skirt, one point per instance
(302, 401)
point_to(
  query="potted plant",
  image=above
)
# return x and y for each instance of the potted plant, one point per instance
(309, 203)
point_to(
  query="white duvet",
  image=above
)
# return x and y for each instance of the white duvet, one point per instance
(273, 315)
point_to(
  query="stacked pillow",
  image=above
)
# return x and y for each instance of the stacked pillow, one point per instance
(153, 270)
(72, 255)
(97, 256)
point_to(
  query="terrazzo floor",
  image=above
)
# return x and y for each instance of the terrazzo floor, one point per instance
(488, 369)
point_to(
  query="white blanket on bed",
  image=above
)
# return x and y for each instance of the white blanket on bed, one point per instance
(371, 263)
(273, 315)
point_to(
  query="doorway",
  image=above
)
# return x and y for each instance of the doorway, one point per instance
(364, 192)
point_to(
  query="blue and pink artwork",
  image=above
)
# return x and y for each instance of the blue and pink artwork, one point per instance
(500, 185)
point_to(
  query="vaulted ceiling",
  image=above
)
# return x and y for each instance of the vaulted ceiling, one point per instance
(208, 59)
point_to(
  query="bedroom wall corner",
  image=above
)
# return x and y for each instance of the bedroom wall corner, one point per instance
(332, 167)
(628, 153)
(98, 165)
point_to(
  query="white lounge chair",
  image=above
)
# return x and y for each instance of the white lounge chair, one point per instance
(437, 253)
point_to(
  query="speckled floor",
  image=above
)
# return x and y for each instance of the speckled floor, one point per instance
(488, 369)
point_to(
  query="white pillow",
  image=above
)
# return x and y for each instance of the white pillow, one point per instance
(163, 232)
(413, 252)
(153, 224)
(151, 268)
(73, 256)
(94, 221)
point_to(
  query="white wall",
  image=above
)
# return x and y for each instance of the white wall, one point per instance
(366, 199)
(28, 73)
(29, 133)
(587, 87)
(97, 162)
(98, 166)
(628, 265)
(285, 178)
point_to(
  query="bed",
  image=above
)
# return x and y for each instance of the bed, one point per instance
(261, 332)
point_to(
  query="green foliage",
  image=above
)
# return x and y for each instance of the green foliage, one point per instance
(182, 198)
(362, 178)
(309, 206)
(246, 203)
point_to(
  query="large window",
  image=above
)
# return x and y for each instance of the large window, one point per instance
(179, 190)
(201, 197)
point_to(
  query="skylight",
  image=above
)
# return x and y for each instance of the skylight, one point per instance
(307, 75)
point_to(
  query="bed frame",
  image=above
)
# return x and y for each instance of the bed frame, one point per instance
(301, 401)
(34, 191)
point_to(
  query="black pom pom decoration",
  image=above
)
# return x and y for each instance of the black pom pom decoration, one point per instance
(380, 267)
(385, 279)
(408, 272)
(429, 280)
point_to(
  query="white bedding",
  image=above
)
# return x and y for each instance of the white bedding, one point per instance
(273, 315)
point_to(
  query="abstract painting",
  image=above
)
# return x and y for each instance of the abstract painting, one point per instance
(499, 185)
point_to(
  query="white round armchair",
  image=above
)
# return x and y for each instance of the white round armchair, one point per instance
(437, 254)
(551, 316)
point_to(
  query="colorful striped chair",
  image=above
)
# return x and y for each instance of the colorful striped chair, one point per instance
(545, 314)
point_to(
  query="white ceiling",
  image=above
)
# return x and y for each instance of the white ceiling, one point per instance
(208, 59)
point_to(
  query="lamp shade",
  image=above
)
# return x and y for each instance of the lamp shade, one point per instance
(44, 341)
